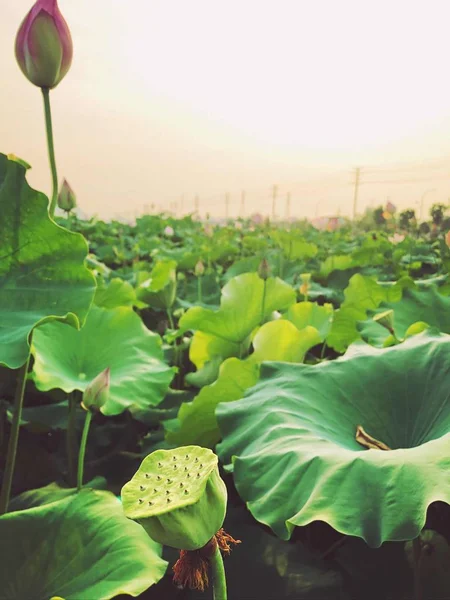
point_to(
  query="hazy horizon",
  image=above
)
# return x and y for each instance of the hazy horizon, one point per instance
(168, 100)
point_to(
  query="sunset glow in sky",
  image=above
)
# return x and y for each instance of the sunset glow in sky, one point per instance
(170, 98)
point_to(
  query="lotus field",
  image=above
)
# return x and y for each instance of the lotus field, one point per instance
(245, 409)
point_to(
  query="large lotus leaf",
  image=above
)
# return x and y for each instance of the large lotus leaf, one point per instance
(291, 441)
(362, 294)
(116, 293)
(79, 548)
(425, 305)
(69, 359)
(276, 340)
(244, 306)
(42, 272)
(306, 314)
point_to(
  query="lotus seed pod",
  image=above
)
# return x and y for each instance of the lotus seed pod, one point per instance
(97, 393)
(178, 497)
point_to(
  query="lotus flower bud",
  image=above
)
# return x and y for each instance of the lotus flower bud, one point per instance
(264, 269)
(66, 199)
(386, 320)
(447, 239)
(304, 288)
(168, 231)
(97, 393)
(199, 270)
(178, 497)
(44, 45)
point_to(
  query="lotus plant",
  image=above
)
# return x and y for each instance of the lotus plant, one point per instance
(44, 52)
(180, 500)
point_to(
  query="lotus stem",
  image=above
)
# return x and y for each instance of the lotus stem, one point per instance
(417, 551)
(51, 150)
(70, 439)
(87, 424)
(13, 438)
(170, 317)
(263, 304)
(199, 289)
(218, 576)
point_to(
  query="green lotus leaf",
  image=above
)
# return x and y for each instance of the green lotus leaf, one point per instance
(69, 359)
(291, 441)
(276, 340)
(42, 272)
(335, 263)
(424, 305)
(306, 314)
(158, 288)
(80, 547)
(363, 293)
(244, 306)
(116, 293)
(294, 248)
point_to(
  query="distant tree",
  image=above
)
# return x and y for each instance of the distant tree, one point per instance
(378, 216)
(446, 224)
(424, 228)
(406, 218)
(437, 213)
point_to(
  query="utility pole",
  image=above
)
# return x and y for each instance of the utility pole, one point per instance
(227, 205)
(355, 195)
(288, 206)
(274, 201)
(242, 211)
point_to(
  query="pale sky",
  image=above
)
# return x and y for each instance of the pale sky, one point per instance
(169, 98)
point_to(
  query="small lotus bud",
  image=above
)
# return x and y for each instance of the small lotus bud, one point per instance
(66, 199)
(199, 270)
(168, 231)
(97, 393)
(447, 239)
(178, 497)
(386, 320)
(304, 288)
(264, 269)
(22, 162)
(44, 47)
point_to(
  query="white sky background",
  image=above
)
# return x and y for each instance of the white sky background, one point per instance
(203, 97)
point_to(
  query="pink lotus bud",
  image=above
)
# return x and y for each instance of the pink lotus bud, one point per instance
(66, 199)
(199, 269)
(168, 231)
(44, 45)
(97, 392)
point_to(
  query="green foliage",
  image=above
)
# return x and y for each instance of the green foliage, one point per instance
(292, 449)
(362, 294)
(247, 301)
(69, 359)
(42, 275)
(78, 546)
